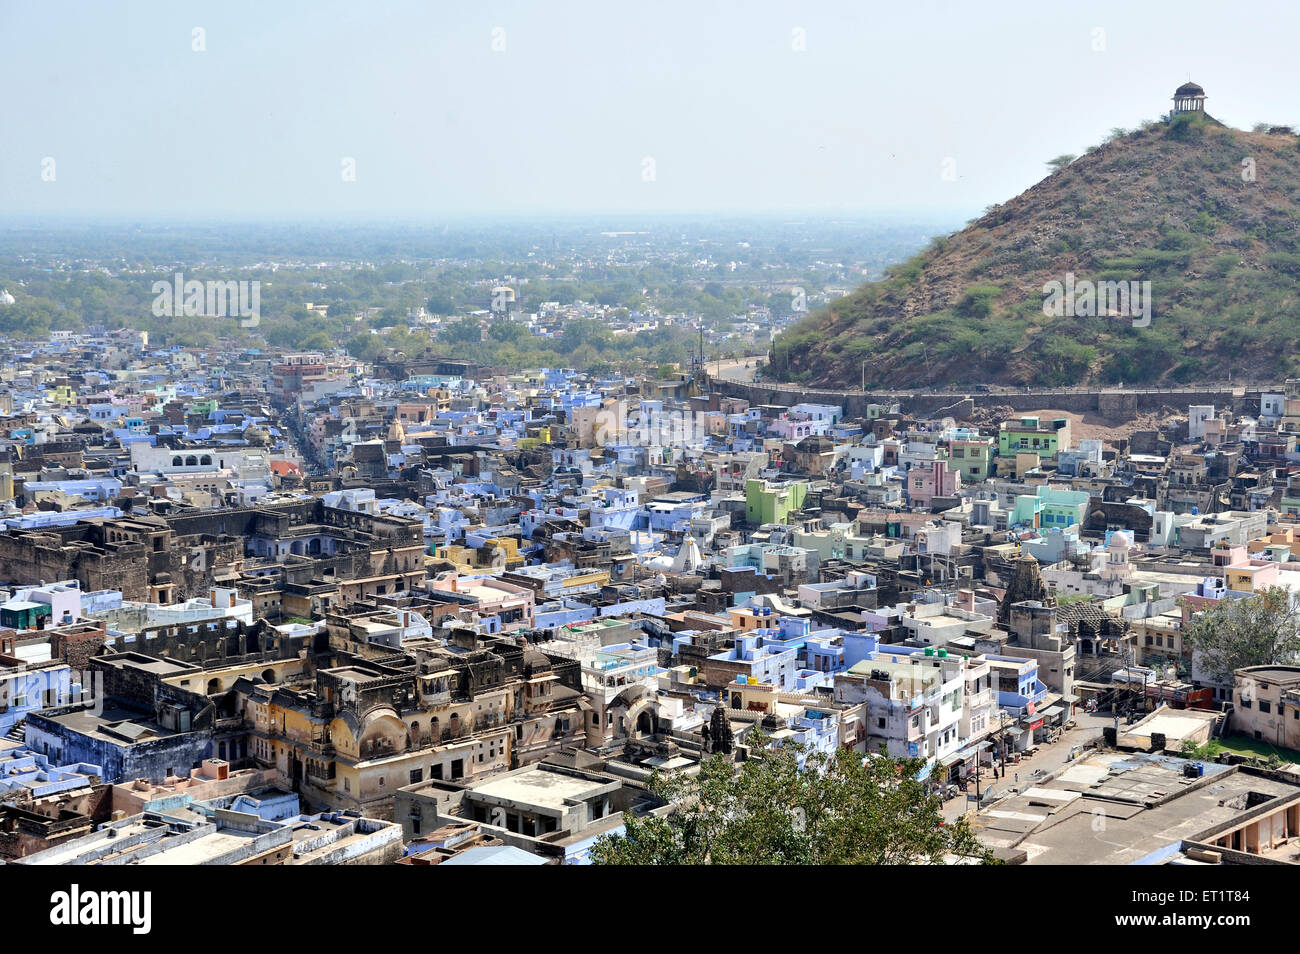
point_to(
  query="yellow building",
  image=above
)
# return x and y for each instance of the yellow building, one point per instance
(344, 761)
(62, 394)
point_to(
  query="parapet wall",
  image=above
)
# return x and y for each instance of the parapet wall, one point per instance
(1108, 402)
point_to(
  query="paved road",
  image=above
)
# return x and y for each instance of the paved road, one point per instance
(1049, 758)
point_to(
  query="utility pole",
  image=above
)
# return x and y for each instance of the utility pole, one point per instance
(1002, 739)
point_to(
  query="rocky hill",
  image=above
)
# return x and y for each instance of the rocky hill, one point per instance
(1208, 215)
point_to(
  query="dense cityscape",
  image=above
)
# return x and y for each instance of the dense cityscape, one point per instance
(640, 453)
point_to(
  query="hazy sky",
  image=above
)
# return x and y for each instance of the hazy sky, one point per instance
(454, 109)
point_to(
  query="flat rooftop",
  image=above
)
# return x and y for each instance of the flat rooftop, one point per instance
(1174, 724)
(542, 788)
(1114, 808)
(1274, 673)
(153, 664)
(113, 724)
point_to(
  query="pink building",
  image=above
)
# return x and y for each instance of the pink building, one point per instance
(929, 480)
(790, 428)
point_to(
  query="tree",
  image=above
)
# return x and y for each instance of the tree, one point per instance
(506, 330)
(771, 810)
(440, 303)
(317, 341)
(1060, 162)
(1258, 630)
(462, 331)
(367, 347)
(585, 331)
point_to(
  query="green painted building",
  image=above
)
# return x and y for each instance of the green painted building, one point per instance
(1030, 433)
(1050, 507)
(973, 457)
(766, 502)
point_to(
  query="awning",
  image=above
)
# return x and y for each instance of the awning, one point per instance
(1053, 713)
(961, 755)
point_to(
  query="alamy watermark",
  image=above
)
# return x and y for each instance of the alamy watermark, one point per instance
(655, 428)
(1089, 299)
(210, 299)
(77, 908)
(36, 689)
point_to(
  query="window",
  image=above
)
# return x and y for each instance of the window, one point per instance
(417, 775)
(1265, 707)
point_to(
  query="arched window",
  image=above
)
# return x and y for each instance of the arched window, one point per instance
(206, 460)
(191, 461)
(176, 462)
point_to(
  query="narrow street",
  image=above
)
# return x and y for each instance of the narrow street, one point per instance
(1019, 775)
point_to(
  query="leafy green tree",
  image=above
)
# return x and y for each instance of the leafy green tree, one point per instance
(366, 347)
(1258, 630)
(440, 303)
(508, 331)
(462, 331)
(585, 331)
(317, 341)
(1060, 162)
(768, 810)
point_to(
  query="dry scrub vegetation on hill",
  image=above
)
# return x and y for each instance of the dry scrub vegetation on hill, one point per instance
(1166, 203)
